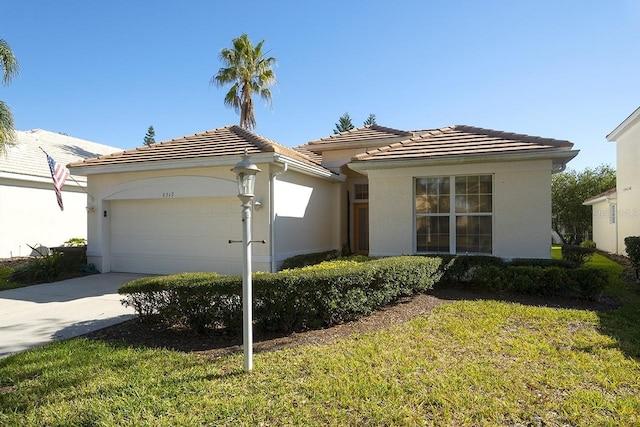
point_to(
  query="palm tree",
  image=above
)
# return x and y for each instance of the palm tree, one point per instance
(249, 72)
(9, 66)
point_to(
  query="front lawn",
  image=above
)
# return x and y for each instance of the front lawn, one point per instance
(479, 362)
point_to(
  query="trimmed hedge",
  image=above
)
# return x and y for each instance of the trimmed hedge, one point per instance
(322, 295)
(584, 283)
(305, 260)
(632, 245)
(577, 254)
(531, 276)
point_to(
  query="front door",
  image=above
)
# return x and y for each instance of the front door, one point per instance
(361, 228)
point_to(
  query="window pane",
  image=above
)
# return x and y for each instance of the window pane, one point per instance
(461, 185)
(485, 184)
(421, 186)
(486, 204)
(473, 234)
(432, 234)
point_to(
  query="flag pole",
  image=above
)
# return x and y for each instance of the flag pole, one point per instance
(71, 176)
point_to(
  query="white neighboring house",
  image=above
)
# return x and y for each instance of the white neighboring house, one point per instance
(618, 216)
(173, 206)
(29, 212)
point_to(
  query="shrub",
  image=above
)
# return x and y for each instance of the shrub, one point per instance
(461, 268)
(321, 295)
(576, 254)
(41, 269)
(541, 262)
(304, 260)
(585, 283)
(588, 244)
(632, 245)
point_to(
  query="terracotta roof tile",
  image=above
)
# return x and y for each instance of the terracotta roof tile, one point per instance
(461, 140)
(225, 141)
(359, 135)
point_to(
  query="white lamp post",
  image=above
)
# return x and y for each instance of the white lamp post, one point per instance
(246, 172)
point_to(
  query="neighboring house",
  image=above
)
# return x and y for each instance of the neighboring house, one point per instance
(616, 215)
(604, 220)
(29, 212)
(173, 206)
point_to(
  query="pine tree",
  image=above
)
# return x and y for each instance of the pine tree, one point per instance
(150, 137)
(371, 120)
(344, 124)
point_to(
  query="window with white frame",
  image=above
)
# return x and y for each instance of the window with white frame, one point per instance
(454, 214)
(361, 191)
(612, 213)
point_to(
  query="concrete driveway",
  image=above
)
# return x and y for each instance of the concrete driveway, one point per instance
(39, 314)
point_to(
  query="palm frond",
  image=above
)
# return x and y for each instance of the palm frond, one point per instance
(8, 62)
(7, 128)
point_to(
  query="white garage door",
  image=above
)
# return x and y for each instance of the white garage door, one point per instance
(164, 236)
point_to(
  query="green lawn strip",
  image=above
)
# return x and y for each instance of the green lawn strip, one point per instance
(467, 363)
(5, 284)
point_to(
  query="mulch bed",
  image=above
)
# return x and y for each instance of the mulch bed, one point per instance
(215, 344)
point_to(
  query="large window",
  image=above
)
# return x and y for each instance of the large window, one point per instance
(454, 214)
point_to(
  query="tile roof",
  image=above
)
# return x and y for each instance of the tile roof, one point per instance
(461, 140)
(225, 141)
(610, 192)
(365, 134)
(27, 159)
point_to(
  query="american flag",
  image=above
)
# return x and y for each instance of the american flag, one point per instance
(59, 174)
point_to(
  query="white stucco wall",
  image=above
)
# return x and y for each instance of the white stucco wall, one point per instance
(604, 227)
(307, 215)
(628, 184)
(521, 207)
(29, 215)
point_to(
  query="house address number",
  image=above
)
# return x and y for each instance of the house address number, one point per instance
(167, 194)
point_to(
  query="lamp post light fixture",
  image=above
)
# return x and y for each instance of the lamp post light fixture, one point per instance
(246, 172)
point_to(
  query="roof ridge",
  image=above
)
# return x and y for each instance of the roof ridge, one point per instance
(377, 127)
(402, 143)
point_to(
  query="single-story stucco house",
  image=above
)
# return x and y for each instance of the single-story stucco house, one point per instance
(173, 206)
(616, 213)
(29, 212)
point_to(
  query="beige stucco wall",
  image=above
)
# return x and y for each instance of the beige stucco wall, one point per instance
(521, 207)
(29, 215)
(604, 230)
(208, 182)
(628, 184)
(307, 215)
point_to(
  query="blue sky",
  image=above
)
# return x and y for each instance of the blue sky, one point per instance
(105, 71)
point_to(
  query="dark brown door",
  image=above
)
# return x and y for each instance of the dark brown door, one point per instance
(361, 228)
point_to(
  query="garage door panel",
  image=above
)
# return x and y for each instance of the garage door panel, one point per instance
(170, 236)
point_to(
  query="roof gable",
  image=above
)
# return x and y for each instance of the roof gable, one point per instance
(225, 141)
(625, 125)
(461, 140)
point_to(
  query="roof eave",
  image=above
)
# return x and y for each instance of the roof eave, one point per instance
(626, 124)
(559, 157)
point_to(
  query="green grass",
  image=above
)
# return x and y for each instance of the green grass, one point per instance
(467, 363)
(5, 284)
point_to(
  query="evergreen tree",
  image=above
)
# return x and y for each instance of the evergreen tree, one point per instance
(371, 120)
(150, 137)
(344, 124)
